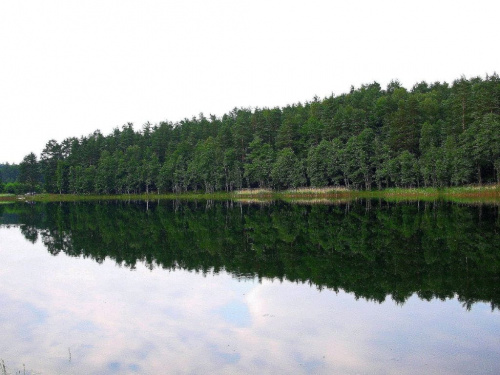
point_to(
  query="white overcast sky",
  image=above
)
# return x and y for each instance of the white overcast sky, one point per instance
(70, 67)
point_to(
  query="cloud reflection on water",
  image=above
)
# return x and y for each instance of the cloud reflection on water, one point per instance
(113, 320)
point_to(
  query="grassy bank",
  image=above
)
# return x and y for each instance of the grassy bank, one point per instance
(7, 198)
(122, 197)
(465, 194)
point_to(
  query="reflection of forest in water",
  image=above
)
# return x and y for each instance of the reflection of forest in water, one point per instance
(436, 250)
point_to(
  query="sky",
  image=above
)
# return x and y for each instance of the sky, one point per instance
(70, 67)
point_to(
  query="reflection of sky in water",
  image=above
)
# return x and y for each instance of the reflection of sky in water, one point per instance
(235, 313)
(72, 315)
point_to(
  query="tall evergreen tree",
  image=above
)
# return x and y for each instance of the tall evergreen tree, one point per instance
(29, 172)
(288, 171)
(259, 163)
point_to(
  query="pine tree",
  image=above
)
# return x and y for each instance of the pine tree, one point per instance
(29, 172)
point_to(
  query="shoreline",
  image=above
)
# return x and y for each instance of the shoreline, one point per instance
(464, 194)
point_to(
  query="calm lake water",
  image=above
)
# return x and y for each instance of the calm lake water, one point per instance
(170, 287)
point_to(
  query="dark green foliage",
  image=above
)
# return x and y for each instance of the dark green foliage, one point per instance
(288, 171)
(49, 164)
(374, 250)
(15, 188)
(9, 172)
(482, 141)
(358, 158)
(434, 135)
(205, 170)
(259, 163)
(29, 172)
(319, 164)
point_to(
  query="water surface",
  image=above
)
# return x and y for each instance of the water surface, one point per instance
(173, 287)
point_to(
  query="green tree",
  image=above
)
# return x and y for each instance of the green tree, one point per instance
(150, 169)
(482, 140)
(259, 163)
(404, 124)
(287, 172)
(429, 137)
(428, 164)
(206, 166)
(50, 157)
(408, 169)
(105, 174)
(232, 170)
(318, 164)
(241, 130)
(165, 177)
(460, 105)
(29, 172)
(62, 177)
(359, 154)
(310, 132)
(337, 165)
(9, 172)
(288, 133)
(381, 157)
(132, 162)
(173, 173)
(459, 168)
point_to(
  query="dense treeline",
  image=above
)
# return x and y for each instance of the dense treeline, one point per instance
(432, 135)
(9, 174)
(437, 250)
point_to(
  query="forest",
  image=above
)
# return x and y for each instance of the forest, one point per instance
(434, 135)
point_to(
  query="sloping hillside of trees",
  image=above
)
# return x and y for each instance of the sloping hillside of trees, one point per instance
(432, 135)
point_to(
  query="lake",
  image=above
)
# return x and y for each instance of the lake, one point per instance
(365, 287)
